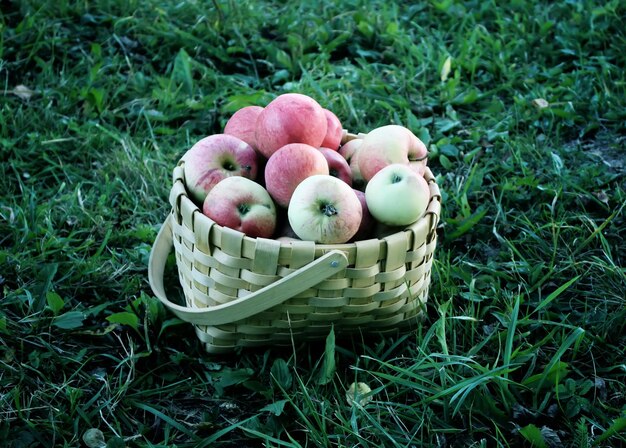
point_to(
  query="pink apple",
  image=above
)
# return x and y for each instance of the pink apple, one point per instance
(419, 166)
(396, 195)
(289, 166)
(243, 205)
(214, 158)
(290, 118)
(334, 131)
(337, 165)
(324, 209)
(350, 152)
(386, 145)
(349, 148)
(242, 124)
(368, 222)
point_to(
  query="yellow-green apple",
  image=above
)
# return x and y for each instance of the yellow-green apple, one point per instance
(397, 195)
(324, 209)
(337, 165)
(241, 204)
(389, 144)
(350, 151)
(290, 118)
(242, 124)
(289, 166)
(368, 223)
(214, 158)
(334, 131)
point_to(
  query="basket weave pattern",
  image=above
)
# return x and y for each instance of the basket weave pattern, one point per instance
(382, 288)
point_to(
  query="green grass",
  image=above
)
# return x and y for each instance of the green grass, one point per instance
(524, 340)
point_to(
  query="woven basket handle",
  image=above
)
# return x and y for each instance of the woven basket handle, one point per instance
(254, 303)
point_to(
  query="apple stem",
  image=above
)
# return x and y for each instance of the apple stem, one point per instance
(328, 209)
(395, 179)
(243, 208)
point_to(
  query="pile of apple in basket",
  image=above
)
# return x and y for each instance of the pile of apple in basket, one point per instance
(292, 155)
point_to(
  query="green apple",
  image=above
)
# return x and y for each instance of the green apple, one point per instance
(324, 209)
(397, 195)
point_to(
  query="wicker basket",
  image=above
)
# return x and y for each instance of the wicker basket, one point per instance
(246, 292)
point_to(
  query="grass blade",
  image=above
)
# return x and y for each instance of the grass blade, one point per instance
(170, 421)
(328, 366)
(619, 425)
(545, 302)
(574, 336)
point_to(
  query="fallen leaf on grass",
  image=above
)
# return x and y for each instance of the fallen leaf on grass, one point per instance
(356, 392)
(23, 92)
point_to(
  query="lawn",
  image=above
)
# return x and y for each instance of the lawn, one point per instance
(523, 109)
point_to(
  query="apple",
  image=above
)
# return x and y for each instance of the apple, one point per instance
(241, 204)
(287, 239)
(368, 223)
(337, 165)
(289, 166)
(324, 209)
(242, 124)
(334, 131)
(419, 166)
(349, 148)
(290, 118)
(396, 195)
(350, 151)
(214, 158)
(386, 145)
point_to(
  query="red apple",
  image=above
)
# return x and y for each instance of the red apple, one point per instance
(242, 124)
(396, 195)
(337, 165)
(334, 131)
(243, 205)
(290, 118)
(324, 209)
(368, 223)
(386, 145)
(289, 166)
(214, 158)
(350, 152)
